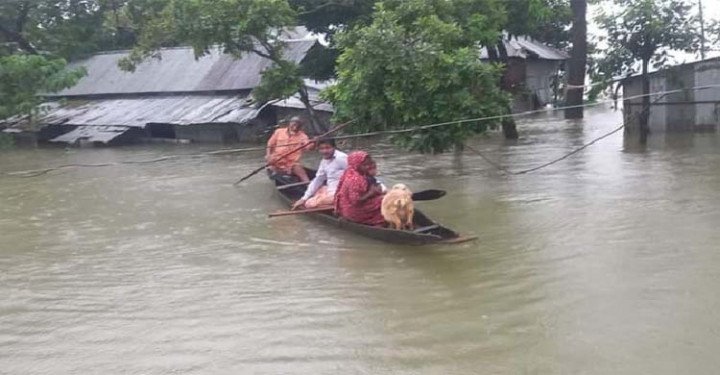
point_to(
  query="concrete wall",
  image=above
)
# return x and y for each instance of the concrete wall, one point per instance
(691, 110)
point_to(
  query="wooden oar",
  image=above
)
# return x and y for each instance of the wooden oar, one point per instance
(288, 186)
(428, 195)
(283, 156)
(300, 212)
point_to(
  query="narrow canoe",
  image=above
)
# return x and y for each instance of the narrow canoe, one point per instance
(427, 232)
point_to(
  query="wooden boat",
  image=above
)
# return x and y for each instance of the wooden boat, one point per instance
(427, 231)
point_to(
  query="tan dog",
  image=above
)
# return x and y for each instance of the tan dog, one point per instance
(398, 208)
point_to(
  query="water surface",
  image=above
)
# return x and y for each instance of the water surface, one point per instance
(603, 263)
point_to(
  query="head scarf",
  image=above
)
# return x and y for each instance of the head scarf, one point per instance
(352, 175)
(355, 159)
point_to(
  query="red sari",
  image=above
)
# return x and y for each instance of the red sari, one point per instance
(353, 185)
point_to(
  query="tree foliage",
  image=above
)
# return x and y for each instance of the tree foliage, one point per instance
(643, 32)
(331, 16)
(417, 63)
(22, 76)
(545, 20)
(36, 37)
(66, 28)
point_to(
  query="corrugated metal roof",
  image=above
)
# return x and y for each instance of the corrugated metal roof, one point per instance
(295, 102)
(313, 88)
(525, 47)
(177, 71)
(102, 134)
(178, 110)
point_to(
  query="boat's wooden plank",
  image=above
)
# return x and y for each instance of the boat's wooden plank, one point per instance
(301, 183)
(426, 228)
(302, 212)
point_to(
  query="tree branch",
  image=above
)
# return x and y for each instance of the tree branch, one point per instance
(24, 9)
(271, 53)
(261, 54)
(19, 39)
(321, 7)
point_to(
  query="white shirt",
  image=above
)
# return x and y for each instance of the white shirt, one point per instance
(329, 171)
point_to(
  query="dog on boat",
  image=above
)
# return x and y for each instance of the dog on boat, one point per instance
(398, 208)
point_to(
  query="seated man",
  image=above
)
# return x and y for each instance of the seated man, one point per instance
(359, 195)
(321, 191)
(283, 141)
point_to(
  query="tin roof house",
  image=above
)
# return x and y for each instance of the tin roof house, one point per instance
(679, 110)
(176, 96)
(532, 71)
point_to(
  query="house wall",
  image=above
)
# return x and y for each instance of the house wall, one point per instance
(515, 73)
(707, 112)
(514, 82)
(691, 110)
(530, 82)
(254, 131)
(207, 133)
(539, 79)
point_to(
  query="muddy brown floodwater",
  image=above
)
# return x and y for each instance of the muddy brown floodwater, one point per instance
(605, 263)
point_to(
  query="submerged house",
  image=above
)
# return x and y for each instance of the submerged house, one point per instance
(684, 110)
(173, 97)
(532, 71)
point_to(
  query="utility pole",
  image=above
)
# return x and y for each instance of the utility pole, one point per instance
(702, 31)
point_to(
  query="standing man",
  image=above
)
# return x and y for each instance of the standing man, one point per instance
(321, 191)
(283, 141)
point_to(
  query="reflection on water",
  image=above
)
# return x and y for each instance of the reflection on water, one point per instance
(603, 263)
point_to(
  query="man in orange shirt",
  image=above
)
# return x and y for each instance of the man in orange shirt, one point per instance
(283, 141)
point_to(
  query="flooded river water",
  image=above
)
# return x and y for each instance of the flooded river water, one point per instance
(605, 263)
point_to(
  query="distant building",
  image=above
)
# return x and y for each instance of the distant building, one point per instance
(174, 97)
(690, 110)
(532, 71)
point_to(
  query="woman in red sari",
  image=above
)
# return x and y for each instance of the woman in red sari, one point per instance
(359, 196)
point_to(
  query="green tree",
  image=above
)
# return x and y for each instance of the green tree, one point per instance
(643, 33)
(545, 20)
(330, 16)
(36, 36)
(418, 63)
(67, 28)
(23, 76)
